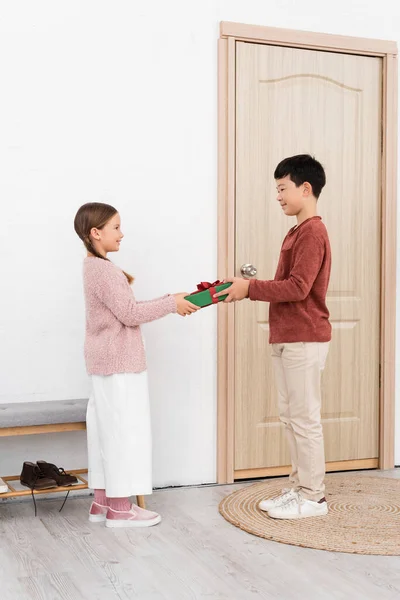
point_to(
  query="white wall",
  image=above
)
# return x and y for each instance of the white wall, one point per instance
(116, 102)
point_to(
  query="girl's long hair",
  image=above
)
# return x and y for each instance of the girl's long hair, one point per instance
(94, 214)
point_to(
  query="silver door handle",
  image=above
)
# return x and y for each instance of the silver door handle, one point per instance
(248, 270)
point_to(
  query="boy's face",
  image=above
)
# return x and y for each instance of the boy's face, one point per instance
(292, 198)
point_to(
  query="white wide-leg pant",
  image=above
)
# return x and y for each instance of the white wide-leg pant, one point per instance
(119, 435)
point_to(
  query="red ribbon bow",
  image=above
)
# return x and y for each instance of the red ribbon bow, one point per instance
(206, 285)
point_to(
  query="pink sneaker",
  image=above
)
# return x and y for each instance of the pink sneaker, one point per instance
(136, 517)
(97, 512)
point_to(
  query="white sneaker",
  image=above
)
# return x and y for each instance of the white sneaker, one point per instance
(299, 508)
(3, 487)
(270, 503)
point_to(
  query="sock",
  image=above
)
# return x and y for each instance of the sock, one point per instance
(100, 497)
(119, 503)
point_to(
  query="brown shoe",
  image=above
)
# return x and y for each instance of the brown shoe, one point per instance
(32, 477)
(57, 473)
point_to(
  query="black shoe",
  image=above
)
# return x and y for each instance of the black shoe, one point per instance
(56, 473)
(32, 477)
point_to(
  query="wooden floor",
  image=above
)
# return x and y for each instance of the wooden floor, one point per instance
(194, 553)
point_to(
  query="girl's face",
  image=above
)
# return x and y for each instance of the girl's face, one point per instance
(108, 238)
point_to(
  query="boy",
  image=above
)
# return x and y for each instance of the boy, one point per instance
(300, 333)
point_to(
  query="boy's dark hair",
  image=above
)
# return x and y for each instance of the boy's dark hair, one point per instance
(302, 168)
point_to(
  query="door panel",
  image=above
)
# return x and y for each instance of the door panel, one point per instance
(291, 101)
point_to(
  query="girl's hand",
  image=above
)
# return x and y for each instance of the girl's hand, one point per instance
(184, 307)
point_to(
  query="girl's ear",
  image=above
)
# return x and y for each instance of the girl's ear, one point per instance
(95, 233)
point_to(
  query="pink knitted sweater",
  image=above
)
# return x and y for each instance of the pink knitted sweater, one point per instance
(113, 342)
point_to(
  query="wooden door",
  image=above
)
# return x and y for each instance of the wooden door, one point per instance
(291, 101)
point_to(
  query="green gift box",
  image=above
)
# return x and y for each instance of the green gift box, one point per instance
(205, 292)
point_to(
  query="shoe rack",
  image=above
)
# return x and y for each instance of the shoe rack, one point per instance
(47, 428)
(13, 493)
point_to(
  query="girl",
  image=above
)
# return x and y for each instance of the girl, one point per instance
(118, 413)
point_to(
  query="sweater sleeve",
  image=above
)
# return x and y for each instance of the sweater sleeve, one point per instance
(112, 289)
(153, 300)
(309, 254)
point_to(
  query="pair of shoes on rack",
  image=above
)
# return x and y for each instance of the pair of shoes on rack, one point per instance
(45, 476)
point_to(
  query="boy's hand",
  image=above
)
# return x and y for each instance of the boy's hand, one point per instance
(184, 307)
(238, 290)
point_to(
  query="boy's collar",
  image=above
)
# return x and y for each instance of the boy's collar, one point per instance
(296, 227)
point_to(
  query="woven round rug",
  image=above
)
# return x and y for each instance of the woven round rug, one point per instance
(363, 517)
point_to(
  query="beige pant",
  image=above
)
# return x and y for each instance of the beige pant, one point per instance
(298, 368)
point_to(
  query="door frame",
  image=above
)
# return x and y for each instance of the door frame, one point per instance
(230, 33)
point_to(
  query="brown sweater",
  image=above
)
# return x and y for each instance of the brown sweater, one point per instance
(297, 295)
